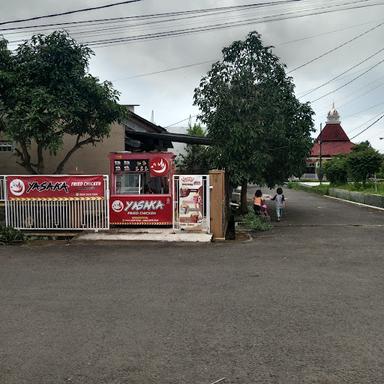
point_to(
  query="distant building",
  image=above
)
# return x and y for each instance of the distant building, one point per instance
(332, 141)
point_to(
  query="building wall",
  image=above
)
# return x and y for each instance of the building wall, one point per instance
(88, 160)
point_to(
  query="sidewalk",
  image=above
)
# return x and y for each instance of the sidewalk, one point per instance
(145, 234)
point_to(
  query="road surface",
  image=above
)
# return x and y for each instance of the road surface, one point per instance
(302, 303)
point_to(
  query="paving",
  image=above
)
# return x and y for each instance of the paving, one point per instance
(302, 303)
(146, 234)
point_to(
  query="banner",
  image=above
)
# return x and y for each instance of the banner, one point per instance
(141, 209)
(191, 202)
(55, 187)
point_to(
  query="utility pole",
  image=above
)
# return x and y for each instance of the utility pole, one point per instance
(320, 155)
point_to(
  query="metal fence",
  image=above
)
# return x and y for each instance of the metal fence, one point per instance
(191, 203)
(2, 189)
(59, 214)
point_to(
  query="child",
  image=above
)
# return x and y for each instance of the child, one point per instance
(280, 200)
(259, 205)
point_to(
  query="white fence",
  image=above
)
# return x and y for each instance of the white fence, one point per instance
(60, 213)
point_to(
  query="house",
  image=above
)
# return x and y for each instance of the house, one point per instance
(332, 141)
(135, 134)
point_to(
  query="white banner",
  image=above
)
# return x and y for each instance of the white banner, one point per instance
(191, 195)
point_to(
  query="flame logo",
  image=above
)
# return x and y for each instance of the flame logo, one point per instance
(159, 166)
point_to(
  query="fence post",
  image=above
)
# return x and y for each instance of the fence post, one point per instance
(218, 208)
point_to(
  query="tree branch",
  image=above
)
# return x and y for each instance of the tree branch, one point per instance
(77, 146)
(25, 158)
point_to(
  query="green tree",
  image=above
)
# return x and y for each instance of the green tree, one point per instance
(336, 170)
(196, 157)
(363, 162)
(261, 132)
(47, 93)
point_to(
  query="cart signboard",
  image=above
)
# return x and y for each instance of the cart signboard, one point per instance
(141, 209)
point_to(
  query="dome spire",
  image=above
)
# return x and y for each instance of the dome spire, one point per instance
(333, 116)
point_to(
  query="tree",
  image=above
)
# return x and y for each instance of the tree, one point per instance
(46, 93)
(261, 132)
(336, 170)
(363, 162)
(196, 157)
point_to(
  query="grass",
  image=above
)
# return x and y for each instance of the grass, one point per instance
(10, 235)
(323, 189)
(256, 223)
(367, 188)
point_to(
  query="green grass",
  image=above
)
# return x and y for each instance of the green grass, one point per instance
(323, 189)
(256, 223)
(368, 188)
(10, 235)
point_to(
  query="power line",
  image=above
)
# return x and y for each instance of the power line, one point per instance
(135, 17)
(182, 32)
(369, 126)
(337, 47)
(181, 121)
(213, 60)
(349, 82)
(165, 70)
(68, 12)
(343, 73)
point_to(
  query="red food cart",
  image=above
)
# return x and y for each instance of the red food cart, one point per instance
(141, 188)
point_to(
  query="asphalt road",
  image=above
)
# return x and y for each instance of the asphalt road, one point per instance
(302, 303)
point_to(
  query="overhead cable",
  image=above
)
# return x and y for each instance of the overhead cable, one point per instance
(182, 32)
(349, 82)
(369, 126)
(343, 73)
(337, 47)
(135, 17)
(68, 12)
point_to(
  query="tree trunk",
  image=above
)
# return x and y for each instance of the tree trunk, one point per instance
(243, 199)
(40, 159)
(25, 158)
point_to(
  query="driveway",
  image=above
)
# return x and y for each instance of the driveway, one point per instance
(302, 303)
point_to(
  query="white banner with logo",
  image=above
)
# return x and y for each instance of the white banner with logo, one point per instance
(191, 196)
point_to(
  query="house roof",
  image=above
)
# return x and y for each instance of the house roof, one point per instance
(333, 132)
(332, 148)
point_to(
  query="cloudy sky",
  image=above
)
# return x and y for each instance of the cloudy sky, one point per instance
(338, 40)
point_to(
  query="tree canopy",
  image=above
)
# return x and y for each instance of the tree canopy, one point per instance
(46, 92)
(363, 162)
(196, 156)
(261, 131)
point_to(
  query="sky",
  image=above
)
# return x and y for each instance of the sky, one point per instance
(338, 40)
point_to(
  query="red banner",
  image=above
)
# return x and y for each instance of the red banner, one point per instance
(53, 187)
(141, 210)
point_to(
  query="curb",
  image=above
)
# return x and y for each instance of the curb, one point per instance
(354, 202)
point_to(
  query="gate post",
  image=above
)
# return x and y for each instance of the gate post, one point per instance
(218, 204)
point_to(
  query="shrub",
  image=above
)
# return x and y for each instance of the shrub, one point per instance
(256, 223)
(336, 170)
(363, 162)
(10, 235)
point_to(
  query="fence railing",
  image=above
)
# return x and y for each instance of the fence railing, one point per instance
(2, 189)
(85, 213)
(59, 215)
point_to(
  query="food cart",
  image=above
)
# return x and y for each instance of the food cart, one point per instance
(141, 188)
